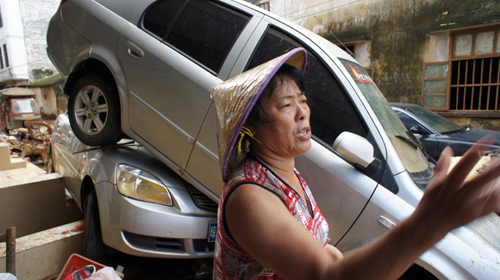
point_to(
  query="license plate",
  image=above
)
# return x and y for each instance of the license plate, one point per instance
(29, 119)
(212, 231)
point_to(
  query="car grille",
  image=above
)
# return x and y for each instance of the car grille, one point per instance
(202, 245)
(155, 243)
(201, 200)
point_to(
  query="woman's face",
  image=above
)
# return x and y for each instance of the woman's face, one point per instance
(287, 132)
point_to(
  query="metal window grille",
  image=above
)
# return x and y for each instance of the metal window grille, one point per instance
(475, 84)
(474, 78)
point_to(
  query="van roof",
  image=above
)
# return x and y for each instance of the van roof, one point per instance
(16, 92)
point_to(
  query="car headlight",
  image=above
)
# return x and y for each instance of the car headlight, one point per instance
(136, 183)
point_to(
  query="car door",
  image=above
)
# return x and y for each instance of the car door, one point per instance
(68, 164)
(171, 62)
(335, 183)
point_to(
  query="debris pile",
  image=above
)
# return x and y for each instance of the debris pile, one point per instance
(31, 143)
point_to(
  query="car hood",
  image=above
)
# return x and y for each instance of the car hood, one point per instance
(483, 235)
(473, 135)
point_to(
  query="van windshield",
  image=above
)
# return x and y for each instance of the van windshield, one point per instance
(406, 146)
(25, 106)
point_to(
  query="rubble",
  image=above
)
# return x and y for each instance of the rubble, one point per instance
(31, 143)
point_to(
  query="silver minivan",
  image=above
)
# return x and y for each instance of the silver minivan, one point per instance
(145, 69)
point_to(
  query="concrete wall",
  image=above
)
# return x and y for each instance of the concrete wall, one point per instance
(44, 253)
(36, 15)
(46, 99)
(35, 204)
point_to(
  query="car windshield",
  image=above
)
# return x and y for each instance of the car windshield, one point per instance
(409, 152)
(434, 120)
(25, 106)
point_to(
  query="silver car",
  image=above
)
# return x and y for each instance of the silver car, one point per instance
(146, 68)
(131, 201)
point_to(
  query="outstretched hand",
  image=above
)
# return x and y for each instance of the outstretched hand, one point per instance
(450, 201)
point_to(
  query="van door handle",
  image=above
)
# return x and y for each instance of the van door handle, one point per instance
(134, 50)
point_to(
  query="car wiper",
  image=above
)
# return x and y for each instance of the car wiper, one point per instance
(408, 141)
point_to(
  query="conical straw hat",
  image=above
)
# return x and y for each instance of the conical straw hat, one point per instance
(235, 98)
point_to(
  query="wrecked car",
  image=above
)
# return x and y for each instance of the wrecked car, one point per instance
(17, 105)
(131, 201)
(145, 69)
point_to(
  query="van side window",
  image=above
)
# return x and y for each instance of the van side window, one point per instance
(331, 109)
(160, 16)
(408, 121)
(206, 32)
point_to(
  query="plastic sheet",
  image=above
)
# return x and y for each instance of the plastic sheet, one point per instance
(107, 273)
(234, 99)
(7, 276)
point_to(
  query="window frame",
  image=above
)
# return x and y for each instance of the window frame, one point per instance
(163, 40)
(447, 78)
(6, 55)
(1, 60)
(447, 111)
(1, 17)
(265, 5)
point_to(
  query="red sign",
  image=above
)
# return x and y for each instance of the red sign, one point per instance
(363, 78)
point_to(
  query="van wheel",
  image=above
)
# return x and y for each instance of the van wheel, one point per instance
(94, 111)
(93, 246)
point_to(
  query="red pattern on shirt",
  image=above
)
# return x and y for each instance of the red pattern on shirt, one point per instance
(233, 262)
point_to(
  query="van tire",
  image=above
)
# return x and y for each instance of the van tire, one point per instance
(416, 272)
(93, 246)
(94, 111)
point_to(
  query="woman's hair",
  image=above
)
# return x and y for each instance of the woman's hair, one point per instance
(286, 71)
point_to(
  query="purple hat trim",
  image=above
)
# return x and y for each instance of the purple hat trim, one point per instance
(254, 100)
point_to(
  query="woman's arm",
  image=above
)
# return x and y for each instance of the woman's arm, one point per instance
(258, 221)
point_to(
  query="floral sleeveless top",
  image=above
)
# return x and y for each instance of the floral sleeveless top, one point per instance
(233, 262)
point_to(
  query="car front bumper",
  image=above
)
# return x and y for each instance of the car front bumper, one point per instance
(151, 230)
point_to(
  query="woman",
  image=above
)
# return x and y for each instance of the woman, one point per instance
(269, 226)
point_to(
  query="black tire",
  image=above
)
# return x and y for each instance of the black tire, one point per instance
(94, 111)
(93, 246)
(416, 272)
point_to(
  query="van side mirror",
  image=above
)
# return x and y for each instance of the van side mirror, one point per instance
(354, 148)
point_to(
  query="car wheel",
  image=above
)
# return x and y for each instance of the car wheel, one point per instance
(94, 111)
(93, 246)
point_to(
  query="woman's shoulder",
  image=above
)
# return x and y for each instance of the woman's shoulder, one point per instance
(249, 170)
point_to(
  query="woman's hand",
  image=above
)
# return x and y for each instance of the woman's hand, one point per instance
(449, 201)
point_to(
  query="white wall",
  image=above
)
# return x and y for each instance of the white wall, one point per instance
(12, 35)
(35, 15)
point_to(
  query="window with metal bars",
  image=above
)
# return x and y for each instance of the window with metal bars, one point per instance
(475, 84)
(474, 80)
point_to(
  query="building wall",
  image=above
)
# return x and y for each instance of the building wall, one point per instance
(12, 35)
(394, 37)
(36, 15)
